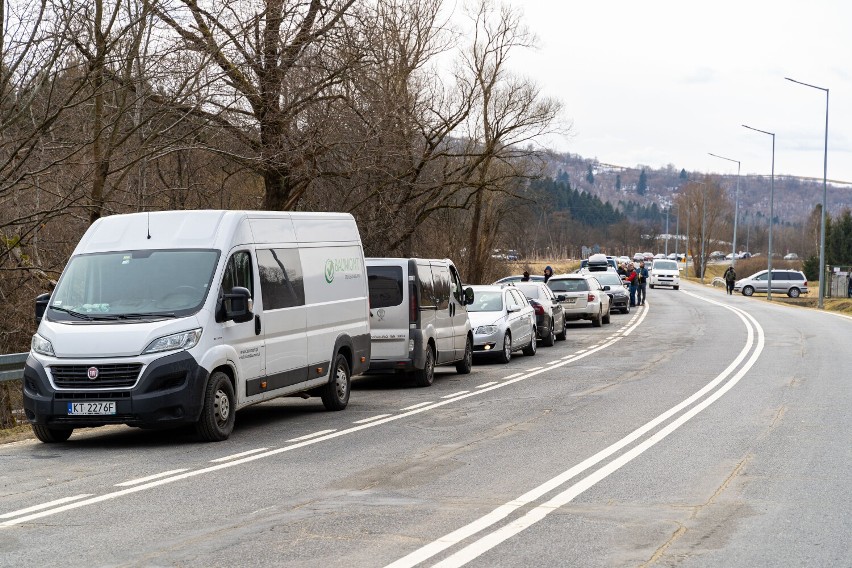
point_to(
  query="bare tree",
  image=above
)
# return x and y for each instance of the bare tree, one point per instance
(707, 211)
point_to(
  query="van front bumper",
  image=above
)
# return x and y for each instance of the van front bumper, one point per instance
(168, 393)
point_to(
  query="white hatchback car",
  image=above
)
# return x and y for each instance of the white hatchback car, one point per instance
(664, 273)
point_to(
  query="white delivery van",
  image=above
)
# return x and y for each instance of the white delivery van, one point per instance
(418, 317)
(181, 317)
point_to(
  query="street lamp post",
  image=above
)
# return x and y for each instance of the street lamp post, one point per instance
(771, 213)
(824, 197)
(736, 207)
(703, 221)
(667, 229)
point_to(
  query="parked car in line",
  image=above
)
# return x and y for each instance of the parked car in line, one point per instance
(582, 297)
(664, 273)
(717, 255)
(659, 256)
(790, 282)
(598, 262)
(549, 314)
(519, 277)
(791, 256)
(618, 295)
(503, 322)
(622, 259)
(419, 317)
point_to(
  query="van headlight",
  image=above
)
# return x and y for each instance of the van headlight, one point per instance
(182, 340)
(42, 346)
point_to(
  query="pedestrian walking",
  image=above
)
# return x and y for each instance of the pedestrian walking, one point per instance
(642, 276)
(631, 279)
(849, 289)
(730, 279)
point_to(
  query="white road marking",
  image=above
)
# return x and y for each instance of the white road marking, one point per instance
(371, 419)
(418, 405)
(455, 394)
(241, 454)
(314, 435)
(482, 386)
(500, 535)
(44, 506)
(150, 478)
(314, 439)
(533, 369)
(580, 351)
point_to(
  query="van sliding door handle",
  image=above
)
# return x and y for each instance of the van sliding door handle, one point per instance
(257, 325)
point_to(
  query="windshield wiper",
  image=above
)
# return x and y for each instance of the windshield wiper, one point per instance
(79, 315)
(143, 316)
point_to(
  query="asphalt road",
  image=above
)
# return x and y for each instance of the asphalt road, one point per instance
(698, 430)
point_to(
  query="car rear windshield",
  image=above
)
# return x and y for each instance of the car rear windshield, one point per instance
(385, 284)
(572, 285)
(609, 279)
(530, 291)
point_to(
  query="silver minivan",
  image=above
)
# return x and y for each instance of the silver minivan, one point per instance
(418, 317)
(790, 282)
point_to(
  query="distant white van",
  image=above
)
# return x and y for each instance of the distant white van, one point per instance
(419, 317)
(179, 317)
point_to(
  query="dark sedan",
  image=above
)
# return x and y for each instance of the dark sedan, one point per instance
(549, 313)
(620, 298)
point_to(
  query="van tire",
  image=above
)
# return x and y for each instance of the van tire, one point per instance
(51, 435)
(506, 353)
(335, 394)
(463, 367)
(793, 292)
(606, 318)
(218, 409)
(676, 287)
(597, 321)
(748, 291)
(426, 376)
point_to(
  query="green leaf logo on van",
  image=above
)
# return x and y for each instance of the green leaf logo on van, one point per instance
(349, 267)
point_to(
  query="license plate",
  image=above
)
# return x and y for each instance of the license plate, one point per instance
(571, 300)
(98, 408)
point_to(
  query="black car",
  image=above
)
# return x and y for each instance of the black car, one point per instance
(619, 297)
(549, 314)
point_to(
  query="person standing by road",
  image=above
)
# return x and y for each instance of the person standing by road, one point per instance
(526, 276)
(642, 283)
(730, 278)
(631, 279)
(548, 272)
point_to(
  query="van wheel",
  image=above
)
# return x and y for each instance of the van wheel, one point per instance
(506, 354)
(335, 394)
(532, 347)
(218, 409)
(652, 286)
(463, 367)
(748, 291)
(597, 321)
(606, 318)
(426, 376)
(51, 435)
(793, 292)
(676, 287)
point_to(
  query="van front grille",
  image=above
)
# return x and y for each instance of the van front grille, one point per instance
(107, 376)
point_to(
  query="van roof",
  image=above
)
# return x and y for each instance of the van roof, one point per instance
(213, 229)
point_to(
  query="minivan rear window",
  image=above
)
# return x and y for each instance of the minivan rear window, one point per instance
(385, 283)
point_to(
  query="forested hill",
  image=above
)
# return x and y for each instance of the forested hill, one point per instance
(587, 208)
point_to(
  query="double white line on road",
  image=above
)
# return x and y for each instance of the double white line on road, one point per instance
(733, 373)
(56, 507)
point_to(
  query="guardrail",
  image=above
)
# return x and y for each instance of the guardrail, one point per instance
(12, 366)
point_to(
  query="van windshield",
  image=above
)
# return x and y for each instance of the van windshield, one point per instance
(134, 285)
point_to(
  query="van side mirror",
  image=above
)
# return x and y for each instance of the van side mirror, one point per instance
(41, 302)
(561, 297)
(605, 288)
(241, 305)
(468, 296)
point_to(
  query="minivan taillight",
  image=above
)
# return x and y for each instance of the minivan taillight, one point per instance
(806, 283)
(413, 310)
(590, 298)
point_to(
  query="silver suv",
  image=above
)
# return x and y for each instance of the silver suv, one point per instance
(790, 282)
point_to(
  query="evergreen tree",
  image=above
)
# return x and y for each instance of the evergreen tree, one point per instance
(683, 174)
(590, 176)
(642, 186)
(618, 182)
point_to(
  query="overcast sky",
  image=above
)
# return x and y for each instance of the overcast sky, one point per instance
(666, 81)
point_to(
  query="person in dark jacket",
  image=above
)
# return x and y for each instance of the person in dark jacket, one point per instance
(730, 279)
(548, 272)
(642, 283)
(525, 277)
